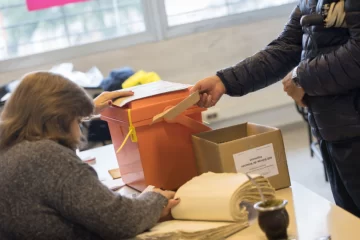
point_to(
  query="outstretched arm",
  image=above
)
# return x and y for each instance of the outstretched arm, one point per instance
(269, 65)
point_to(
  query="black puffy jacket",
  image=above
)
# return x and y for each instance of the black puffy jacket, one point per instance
(329, 73)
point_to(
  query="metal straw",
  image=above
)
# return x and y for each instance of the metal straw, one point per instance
(257, 186)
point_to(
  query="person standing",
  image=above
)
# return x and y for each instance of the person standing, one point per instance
(317, 56)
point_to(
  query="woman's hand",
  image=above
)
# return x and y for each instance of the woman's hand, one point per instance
(104, 100)
(211, 89)
(166, 213)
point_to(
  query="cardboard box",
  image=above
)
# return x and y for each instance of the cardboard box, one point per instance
(247, 148)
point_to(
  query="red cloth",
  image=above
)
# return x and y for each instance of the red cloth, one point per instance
(34, 5)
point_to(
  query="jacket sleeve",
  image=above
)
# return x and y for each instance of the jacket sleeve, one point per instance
(338, 71)
(269, 65)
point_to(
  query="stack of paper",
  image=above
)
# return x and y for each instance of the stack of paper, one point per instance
(211, 205)
(178, 230)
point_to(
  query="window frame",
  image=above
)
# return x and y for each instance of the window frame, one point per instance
(228, 21)
(157, 29)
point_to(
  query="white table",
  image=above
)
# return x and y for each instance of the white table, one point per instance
(311, 216)
(105, 160)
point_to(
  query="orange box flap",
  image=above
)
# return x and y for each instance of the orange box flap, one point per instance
(175, 111)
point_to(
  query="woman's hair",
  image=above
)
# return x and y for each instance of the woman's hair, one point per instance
(43, 106)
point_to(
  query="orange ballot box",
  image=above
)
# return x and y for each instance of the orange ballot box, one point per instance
(151, 132)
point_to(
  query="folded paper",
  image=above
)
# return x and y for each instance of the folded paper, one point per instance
(213, 206)
(217, 197)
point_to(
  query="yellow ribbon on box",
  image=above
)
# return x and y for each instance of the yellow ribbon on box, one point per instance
(131, 133)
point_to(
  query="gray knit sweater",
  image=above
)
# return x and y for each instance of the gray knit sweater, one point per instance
(47, 192)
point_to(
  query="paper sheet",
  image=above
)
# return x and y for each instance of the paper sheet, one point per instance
(114, 184)
(192, 230)
(150, 89)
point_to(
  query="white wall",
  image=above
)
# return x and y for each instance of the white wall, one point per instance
(190, 58)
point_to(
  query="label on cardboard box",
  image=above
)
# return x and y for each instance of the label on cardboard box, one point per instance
(260, 160)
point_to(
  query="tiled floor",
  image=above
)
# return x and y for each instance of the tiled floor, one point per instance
(304, 169)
